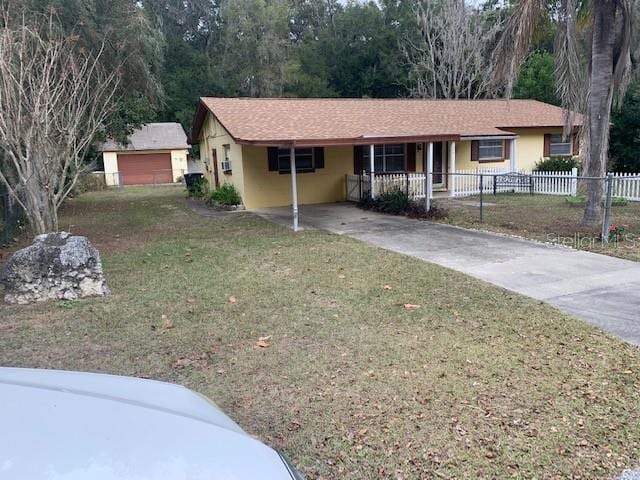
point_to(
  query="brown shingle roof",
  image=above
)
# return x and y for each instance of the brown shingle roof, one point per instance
(273, 120)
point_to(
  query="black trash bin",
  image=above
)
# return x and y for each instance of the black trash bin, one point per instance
(191, 178)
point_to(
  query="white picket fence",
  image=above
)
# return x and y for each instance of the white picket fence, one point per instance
(627, 185)
(412, 183)
(465, 183)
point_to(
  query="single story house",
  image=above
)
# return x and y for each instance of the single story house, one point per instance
(249, 142)
(154, 153)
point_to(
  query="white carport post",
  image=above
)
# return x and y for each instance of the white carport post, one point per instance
(428, 177)
(372, 167)
(512, 156)
(451, 181)
(294, 187)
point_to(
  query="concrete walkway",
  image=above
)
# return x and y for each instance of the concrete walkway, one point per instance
(604, 291)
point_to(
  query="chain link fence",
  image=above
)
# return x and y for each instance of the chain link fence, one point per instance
(152, 177)
(12, 221)
(551, 208)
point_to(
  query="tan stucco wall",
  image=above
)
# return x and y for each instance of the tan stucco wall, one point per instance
(110, 160)
(178, 163)
(530, 146)
(214, 136)
(272, 189)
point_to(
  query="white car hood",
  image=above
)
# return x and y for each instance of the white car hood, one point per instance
(58, 425)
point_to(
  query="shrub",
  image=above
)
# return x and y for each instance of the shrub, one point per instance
(397, 202)
(225, 195)
(89, 182)
(393, 201)
(557, 164)
(199, 188)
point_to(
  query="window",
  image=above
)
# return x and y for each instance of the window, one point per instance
(304, 159)
(388, 158)
(226, 161)
(560, 146)
(490, 150)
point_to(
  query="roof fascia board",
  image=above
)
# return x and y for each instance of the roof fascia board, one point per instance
(324, 142)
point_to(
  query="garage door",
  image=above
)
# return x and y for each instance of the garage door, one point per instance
(145, 168)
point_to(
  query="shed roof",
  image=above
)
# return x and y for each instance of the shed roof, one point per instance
(152, 136)
(267, 121)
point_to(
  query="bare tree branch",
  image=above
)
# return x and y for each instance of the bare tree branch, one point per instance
(448, 56)
(54, 99)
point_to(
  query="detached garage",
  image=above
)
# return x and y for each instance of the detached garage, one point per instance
(155, 153)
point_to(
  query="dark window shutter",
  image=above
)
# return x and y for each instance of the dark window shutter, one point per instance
(506, 153)
(475, 150)
(358, 157)
(576, 144)
(318, 157)
(547, 145)
(411, 157)
(272, 155)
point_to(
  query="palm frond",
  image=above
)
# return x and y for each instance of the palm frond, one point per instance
(571, 84)
(515, 42)
(622, 50)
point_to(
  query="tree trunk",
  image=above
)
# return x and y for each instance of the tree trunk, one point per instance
(40, 211)
(600, 100)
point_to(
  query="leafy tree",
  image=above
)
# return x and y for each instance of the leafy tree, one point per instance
(587, 80)
(625, 133)
(253, 50)
(187, 75)
(357, 56)
(537, 79)
(132, 46)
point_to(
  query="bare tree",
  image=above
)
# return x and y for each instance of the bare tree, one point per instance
(449, 56)
(54, 99)
(586, 82)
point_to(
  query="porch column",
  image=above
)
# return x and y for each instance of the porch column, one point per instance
(513, 164)
(294, 188)
(372, 166)
(428, 178)
(451, 181)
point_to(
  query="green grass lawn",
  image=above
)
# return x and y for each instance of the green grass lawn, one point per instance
(546, 218)
(470, 381)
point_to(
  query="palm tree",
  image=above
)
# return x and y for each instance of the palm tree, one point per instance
(587, 82)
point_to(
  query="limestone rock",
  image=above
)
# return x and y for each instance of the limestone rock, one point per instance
(57, 266)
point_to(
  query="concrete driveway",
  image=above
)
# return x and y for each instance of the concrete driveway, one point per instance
(604, 291)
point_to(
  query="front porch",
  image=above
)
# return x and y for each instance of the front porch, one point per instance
(456, 183)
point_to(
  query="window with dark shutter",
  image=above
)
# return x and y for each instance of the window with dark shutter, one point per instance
(272, 158)
(475, 150)
(546, 152)
(318, 157)
(305, 160)
(358, 157)
(411, 157)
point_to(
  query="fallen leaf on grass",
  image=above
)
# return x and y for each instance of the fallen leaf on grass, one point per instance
(411, 306)
(167, 323)
(200, 361)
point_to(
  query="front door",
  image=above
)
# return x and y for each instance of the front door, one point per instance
(439, 163)
(216, 175)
